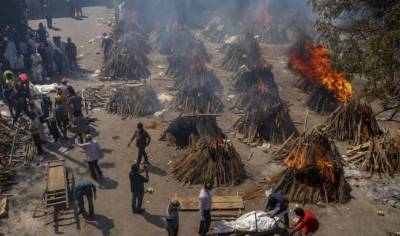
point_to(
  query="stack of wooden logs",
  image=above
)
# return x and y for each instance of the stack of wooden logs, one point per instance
(210, 160)
(95, 97)
(353, 121)
(187, 129)
(133, 101)
(176, 38)
(322, 101)
(244, 52)
(314, 171)
(379, 155)
(260, 126)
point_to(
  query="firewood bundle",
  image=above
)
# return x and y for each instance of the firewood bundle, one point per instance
(95, 97)
(244, 52)
(258, 97)
(314, 171)
(212, 160)
(250, 76)
(133, 101)
(379, 155)
(198, 99)
(180, 61)
(354, 121)
(187, 129)
(322, 101)
(198, 75)
(261, 126)
(128, 58)
(177, 38)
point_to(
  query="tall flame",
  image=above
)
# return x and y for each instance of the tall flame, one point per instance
(316, 65)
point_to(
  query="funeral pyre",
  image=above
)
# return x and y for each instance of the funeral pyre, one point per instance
(210, 160)
(313, 63)
(314, 171)
(219, 29)
(187, 129)
(133, 101)
(176, 37)
(380, 155)
(197, 90)
(354, 121)
(246, 51)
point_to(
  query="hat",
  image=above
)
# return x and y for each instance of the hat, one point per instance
(23, 77)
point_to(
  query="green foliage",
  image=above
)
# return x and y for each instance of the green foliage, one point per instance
(364, 36)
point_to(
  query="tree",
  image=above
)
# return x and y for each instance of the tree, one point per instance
(364, 36)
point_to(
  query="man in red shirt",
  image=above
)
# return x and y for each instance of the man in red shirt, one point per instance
(307, 224)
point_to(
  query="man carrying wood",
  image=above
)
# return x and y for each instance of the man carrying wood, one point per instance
(205, 202)
(142, 141)
(88, 189)
(137, 187)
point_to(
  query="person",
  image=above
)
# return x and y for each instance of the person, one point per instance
(106, 44)
(36, 129)
(307, 224)
(71, 7)
(92, 151)
(41, 33)
(20, 97)
(10, 54)
(53, 128)
(280, 201)
(37, 67)
(78, 8)
(61, 113)
(142, 140)
(172, 218)
(205, 203)
(48, 14)
(20, 64)
(71, 52)
(58, 59)
(88, 189)
(9, 81)
(137, 187)
(75, 103)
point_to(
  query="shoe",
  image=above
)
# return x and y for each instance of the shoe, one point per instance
(134, 211)
(140, 211)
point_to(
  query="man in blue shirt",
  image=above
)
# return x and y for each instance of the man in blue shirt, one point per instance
(88, 189)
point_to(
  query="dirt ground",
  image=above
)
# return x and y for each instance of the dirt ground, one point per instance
(112, 207)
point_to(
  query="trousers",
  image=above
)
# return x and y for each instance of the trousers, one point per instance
(142, 153)
(95, 171)
(137, 199)
(205, 223)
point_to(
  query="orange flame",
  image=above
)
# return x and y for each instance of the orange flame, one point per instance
(317, 66)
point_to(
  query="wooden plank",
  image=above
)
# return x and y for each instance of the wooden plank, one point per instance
(218, 203)
(56, 178)
(353, 149)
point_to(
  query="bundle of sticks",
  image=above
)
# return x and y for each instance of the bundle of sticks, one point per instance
(176, 38)
(187, 129)
(354, 121)
(250, 76)
(128, 58)
(210, 160)
(379, 155)
(258, 97)
(133, 101)
(261, 126)
(244, 52)
(322, 101)
(95, 97)
(314, 171)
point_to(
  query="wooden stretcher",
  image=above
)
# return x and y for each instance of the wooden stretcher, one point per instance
(56, 193)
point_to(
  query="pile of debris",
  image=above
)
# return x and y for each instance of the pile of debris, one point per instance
(133, 101)
(354, 121)
(210, 160)
(314, 171)
(329, 87)
(246, 51)
(187, 129)
(128, 58)
(379, 155)
(260, 126)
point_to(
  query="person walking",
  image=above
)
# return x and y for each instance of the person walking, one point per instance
(41, 33)
(75, 104)
(205, 204)
(88, 189)
(137, 187)
(61, 113)
(36, 129)
(307, 225)
(71, 53)
(106, 44)
(278, 203)
(142, 141)
(172, 218)
(92, 150)
(37, 67)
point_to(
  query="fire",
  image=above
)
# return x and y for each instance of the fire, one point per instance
(297, 159)
(315, 64)
(261, 85)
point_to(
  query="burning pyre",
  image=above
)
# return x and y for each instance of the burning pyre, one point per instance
(314, 171)
(313, 62)
(246, 51)
(133, 101)
(218, 30)
(176, 37)
(210, 160)
(187, 129)
(354, 121)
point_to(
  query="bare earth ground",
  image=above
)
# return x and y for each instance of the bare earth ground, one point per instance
(112, 207)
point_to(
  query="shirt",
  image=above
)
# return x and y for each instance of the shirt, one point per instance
(276, 199)
(141, 136)
(205, 201)
(137, 182)
(76, 103)
(36, 62)
(91, 148)
(172, 217)
(84, 187)
(307, 224)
